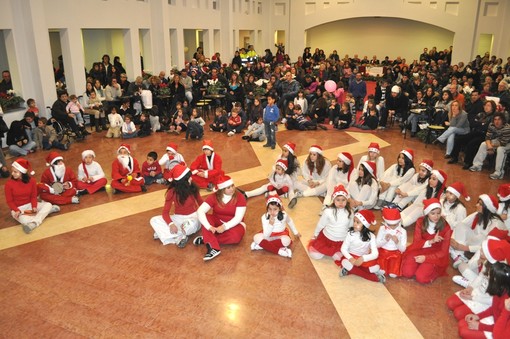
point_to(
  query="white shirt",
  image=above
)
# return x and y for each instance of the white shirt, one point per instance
(353, 244)
(390, 245)
(335, 228)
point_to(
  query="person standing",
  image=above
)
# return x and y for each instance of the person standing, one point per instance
(271, 116)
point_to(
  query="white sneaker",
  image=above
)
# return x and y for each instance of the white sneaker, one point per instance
(75, 200)
(380, 275)
(392, 275)
(55, 209)
(460, 280)
(231, 133)
(255, 247)
(155, 236)
(285, 252)
(160, 181)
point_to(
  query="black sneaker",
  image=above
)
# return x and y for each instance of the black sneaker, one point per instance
(144, 188)
(198, 240)
(211, 253)
(322, 127)
(182, 243)
(210, 187)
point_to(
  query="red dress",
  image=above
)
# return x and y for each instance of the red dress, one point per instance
(220, 215)
(120, 176)
(436, 256)
(212, 168)
(48, 178)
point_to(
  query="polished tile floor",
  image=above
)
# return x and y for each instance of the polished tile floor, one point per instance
(93, 270)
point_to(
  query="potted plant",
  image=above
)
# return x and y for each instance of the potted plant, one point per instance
(10, 100)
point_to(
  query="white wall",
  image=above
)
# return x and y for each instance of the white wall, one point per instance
(379, 36)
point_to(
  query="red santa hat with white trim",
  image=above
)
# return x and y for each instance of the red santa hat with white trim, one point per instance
(366, 217)
(374, 147)
(409, 153)
(442, 177)
(428, 164)
(23, 166)
(490, 202)
(315, 149)
(391, 216)
(371, 167)
(430, 204)
(207, 144)
(347, 159)
(504, 192)
(282, 163)
(179, 171)
(274, 198)
(458, 189)
(291, 147)
(124, 146)
(53, 157)
(496, 250)
(224, 182)
(172, 147)
(86, 153)
(340, 190)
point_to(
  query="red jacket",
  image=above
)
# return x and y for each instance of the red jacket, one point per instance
(17, 193)
(48, 178)
(119, 172)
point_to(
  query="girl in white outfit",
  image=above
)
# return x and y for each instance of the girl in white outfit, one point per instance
(396, 175)
(339, 174)
(314, 172)
(275, 235)
(435, 187)
(408, 191)
(363, 187)
(279, 181)
(474, 229)
(374, 154)
(332, 227)
(453, 209)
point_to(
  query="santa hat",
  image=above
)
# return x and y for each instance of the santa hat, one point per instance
(23, 166)
(283, 164)
(409, 153)
(490, 202)
(430, 204)
(374, 147)
(315, 149)
(496, 250)
(273, 198)
(440, 175)
(395, 89)
(207, 144)
(347, 159)
(428, 164)
(504, 192)
(391, 216)
(172, 147)
(371, 167)
(179, 171)
(224, 182)
(340, 190)
(499, 233)
(52, 158)
(124, 146)
(366, 217)
(290, 146)
(87, 152)
(458, 189)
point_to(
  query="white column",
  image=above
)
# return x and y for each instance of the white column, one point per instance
(132, 51)
(74, 61)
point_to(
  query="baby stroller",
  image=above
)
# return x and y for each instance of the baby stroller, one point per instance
(64, 134)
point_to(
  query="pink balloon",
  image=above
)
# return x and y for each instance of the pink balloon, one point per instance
(330, 86)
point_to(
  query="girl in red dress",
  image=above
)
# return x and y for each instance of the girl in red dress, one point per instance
(225, 224)
(427, 257)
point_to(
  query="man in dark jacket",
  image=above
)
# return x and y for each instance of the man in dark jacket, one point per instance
(59, 112)
(396, 105)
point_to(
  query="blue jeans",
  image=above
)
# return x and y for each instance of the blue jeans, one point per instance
(449, 137)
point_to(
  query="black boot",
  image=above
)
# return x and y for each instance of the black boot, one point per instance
(93, 123)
